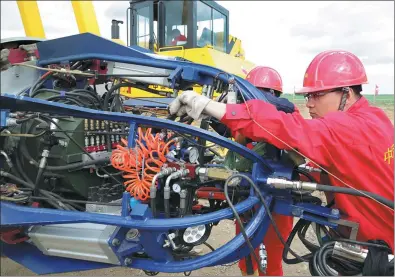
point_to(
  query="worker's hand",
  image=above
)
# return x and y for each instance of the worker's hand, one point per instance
(189, 102)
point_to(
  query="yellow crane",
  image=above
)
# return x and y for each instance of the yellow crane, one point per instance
(203, 27)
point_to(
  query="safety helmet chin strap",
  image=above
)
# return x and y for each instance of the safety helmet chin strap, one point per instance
(346, 91)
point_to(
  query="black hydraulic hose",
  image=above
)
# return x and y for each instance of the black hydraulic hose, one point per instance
(362, 193)
(73, 94)
(20, 167)
(153, 206)
(105, 106)
(38, 180)
(167, 208)
(306, 174)
(19, 121)
(110, 92)
(269, 213)
(91, 93)
(242, 230)
(29, 185)
(298, 226)
(302, 236)
(68, 98)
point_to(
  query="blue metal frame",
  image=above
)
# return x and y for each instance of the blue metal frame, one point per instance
(152, 230)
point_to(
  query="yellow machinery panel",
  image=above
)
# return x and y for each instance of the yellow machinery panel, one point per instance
(86, 17)
(31, 19)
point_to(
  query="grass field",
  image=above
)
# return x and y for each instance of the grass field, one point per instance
(379, 99)
(385, 102)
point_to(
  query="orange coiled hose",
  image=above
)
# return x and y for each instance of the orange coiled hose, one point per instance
(141, 163)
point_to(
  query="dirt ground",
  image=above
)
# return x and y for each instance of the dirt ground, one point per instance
(220, 235)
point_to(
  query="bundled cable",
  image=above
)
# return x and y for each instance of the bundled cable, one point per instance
(141, 163)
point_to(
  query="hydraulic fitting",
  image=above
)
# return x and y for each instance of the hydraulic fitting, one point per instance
(216, 173)
(164, 172)
(309, 168)
(279, 183)
(263, 257)
(175, 175)
(183, 196)
(7, 158)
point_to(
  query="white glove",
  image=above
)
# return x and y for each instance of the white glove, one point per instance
(189, 102)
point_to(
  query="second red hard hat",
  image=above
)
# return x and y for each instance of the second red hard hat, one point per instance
(265, 77)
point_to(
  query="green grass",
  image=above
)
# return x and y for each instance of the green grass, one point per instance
(386, 99)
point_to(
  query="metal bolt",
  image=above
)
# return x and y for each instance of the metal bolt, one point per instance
(132, 234)
(115, 242)
(335, 212)
(128, 261)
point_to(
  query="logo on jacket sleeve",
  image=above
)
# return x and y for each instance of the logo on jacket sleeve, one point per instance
(389, 154)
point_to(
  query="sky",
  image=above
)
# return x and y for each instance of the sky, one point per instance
(283, 35)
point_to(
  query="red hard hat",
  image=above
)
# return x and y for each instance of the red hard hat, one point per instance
(265, 77)
(333, 69)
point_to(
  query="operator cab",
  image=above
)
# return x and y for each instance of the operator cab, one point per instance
(162, 25)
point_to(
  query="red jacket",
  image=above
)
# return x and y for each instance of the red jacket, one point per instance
(179, 38)
(355, 146)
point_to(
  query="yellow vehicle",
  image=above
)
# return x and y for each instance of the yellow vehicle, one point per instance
(203, 27)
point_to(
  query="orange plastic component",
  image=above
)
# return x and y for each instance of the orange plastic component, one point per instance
(141, 163)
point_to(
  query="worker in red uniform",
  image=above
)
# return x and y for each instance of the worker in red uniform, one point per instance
(269, 81)
(177, 38)
(346, 136)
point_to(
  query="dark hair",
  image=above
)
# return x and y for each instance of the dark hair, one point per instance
(175, 32)
(357, 89)
(268, 90)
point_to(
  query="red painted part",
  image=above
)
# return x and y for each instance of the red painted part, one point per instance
(211, 195)
(96, 67)
(13, 237)
(190, 167)
(19, 56)
(197, 207)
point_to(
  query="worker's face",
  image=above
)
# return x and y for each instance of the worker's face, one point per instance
(322, 103)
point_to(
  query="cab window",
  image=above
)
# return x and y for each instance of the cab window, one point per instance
(176, 17)
(143, 27)
(210, 27)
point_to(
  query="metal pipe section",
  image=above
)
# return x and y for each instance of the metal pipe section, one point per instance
(279, 183)
(7, 158)
(164, 172)
(352, 252)
(166, 190)
(183, 195)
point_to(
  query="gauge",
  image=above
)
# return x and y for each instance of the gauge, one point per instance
(176, 188)
(193, 154)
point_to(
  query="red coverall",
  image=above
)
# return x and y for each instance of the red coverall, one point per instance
(357, 146)
(273, 245)
(178, 38)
